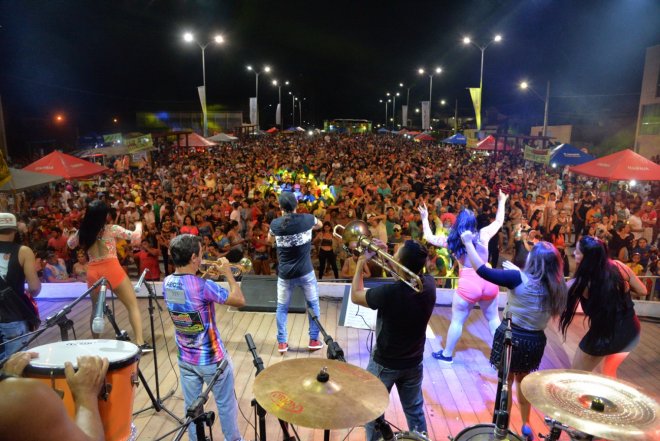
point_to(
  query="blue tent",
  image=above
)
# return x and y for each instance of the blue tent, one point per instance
(566, 154)
(383, 130)
(458, 139)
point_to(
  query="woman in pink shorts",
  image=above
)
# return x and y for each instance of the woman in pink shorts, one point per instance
(97, 237)
(471, 288)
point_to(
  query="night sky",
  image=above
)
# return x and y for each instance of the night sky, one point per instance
(94, 60)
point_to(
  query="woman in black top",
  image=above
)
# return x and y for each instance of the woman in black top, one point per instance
(603, 287)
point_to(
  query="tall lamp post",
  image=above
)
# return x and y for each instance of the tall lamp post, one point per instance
(293, 109)
(256, 87)
(279, 99)
(386, 101)
(421, 71)
(525, 85)
(405, 123)
(188, 37)
(467, 40)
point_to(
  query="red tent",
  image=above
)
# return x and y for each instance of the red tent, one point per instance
(272, 130)
(424, 137)
(195, 140)
(488, 143)
(65, 166)
(620, 166)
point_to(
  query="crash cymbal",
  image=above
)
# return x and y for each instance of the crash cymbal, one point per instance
(600, 406)
(293, 391)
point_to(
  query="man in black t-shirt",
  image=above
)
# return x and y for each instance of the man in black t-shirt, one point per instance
(403, 315)
(292, 234)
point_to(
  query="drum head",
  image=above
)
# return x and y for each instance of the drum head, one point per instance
(482, 432)
(53, 355)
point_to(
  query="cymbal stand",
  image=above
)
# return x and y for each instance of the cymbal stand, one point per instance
(260, 412)
(159, 400)
(156, 403)
(335, 352)
(501, 412)
(556, 428)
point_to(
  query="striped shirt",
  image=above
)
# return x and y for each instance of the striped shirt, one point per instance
(293, 237)
(191, 304)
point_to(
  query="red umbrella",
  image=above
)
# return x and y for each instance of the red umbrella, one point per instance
(620, 166)
(65, 166)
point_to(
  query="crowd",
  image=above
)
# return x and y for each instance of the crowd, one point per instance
(228, 195)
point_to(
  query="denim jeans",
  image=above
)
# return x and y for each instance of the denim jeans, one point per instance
(7, 332)
(285, 288)
(409, 385)
(193, 379)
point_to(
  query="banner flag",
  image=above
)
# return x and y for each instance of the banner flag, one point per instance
(253, 110)
(475, 93)
(541, 156)
(202, 98)
(426, 115)
(139, 143)
(5, 175)
(404, 116)
(112, 138)
(278, 115)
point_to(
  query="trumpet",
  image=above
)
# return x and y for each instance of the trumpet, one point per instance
(210, 269)
(357, 239)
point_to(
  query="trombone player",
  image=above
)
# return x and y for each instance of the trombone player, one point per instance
(403, 314)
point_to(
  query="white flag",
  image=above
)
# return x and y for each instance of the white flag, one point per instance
(278, 115)
(404, 116)
(426, 115)
(202, 99)
(253, 110)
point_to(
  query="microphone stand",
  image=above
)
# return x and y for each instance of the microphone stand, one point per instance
(260, 412)
(158, 399)
(195, 412)
(59, 318)
(500, 412)
(335, 352)
(120, 334)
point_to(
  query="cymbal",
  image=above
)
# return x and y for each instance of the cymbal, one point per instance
(291, 391)
(600, 406)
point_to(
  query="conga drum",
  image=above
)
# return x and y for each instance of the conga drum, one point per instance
(116, 397)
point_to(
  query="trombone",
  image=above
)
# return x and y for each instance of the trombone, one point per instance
(357, 238)
(210, 269)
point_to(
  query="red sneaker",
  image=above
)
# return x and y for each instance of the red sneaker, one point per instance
(282, 347)
(315, 345)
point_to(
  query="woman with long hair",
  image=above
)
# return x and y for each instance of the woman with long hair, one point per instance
(603, 288)
(325, 241)
(471, 288)
(537, 293)
(98, 237)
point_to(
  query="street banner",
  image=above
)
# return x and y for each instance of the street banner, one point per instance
(253, 110)
(139, 143)
(112, 139)
(542, 156)
(5, 175)
(475, 93)
(404, 116)
(426, 115)
(278, 115)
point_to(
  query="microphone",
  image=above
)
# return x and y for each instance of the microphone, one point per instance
(140, 281)
(98, 323)
(257, 361)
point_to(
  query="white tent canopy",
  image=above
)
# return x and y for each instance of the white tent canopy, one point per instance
(25, 180)
(222, 137)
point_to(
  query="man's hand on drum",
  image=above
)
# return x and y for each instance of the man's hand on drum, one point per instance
(86, 382)
(17, 363)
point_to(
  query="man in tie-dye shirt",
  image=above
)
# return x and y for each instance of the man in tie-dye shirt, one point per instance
(191, 303)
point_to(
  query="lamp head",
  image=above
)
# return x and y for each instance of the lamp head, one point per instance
(467, 40)
(420, 71)
(497, 38)
(219, 39)
(188, 37)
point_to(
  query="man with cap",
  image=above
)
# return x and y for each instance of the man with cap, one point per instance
(17, 265)
(292, 234)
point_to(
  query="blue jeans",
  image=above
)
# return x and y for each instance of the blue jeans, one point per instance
(285, 288)
(409, 385)
(192, 380)
(7, 332)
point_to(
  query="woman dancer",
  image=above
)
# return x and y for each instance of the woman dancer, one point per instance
(536, 293)
(471, 288)
(603, 287)
(97, 237)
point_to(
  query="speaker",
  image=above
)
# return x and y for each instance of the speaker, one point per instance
(261, 295)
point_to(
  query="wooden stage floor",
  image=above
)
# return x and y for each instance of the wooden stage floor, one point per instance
(455, 396)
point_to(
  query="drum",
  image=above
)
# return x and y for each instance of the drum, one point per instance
(116, 398)
(482, 432)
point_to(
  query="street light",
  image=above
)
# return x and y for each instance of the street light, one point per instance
(407, 101)
(188, 37)
(421, 71)
(466, 40)
(386, 101)
(293, 109)
(525, 85)
(256, 88)
(279, 97)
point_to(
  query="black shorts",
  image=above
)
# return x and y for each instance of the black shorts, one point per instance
(527, 351)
